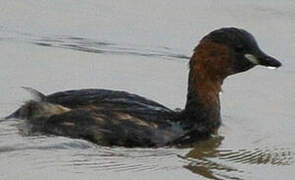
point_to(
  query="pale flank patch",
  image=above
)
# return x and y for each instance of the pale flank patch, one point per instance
(252, 58)
(35, 109)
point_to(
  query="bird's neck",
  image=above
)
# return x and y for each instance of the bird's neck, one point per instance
(203, 104)
(202, 109)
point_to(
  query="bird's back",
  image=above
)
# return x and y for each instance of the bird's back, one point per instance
(105, 117)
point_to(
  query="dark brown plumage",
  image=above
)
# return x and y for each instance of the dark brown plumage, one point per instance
(109, 117)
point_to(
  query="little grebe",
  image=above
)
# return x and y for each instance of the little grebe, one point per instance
(119, 118)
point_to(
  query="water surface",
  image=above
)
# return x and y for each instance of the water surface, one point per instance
(143, 47)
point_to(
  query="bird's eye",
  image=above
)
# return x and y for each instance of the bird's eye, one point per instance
(239, 48)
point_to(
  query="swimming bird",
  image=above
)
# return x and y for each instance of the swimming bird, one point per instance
(118, 118)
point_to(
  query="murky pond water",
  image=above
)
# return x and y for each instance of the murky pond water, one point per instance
(143, 47)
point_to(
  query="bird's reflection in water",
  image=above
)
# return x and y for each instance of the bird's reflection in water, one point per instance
(209, 160)
(200, 155)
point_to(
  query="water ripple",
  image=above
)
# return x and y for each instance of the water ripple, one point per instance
(94, 46)
(124, 159)
(212, 162)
